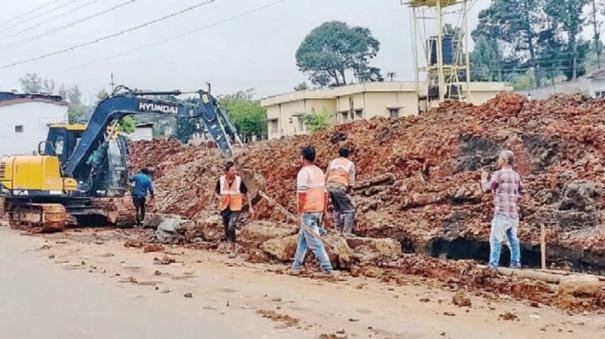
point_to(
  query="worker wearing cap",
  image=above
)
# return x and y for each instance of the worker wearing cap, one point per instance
(142, 186)
(230, 190)
(311, 201)
(340, 180)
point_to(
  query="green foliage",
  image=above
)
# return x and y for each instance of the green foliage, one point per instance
(75, 113)
(332, 49)
(127, 125)
(301, 87)
(486, 60)
(523, 82)
(318, 121)
(185, 128)
(245, 112)
(102, 95)
(542, 37)
(31, 83)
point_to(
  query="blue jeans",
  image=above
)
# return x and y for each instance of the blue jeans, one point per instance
(503, 226)
(306, 240)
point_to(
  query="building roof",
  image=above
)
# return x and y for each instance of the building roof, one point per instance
(10, 98)
(369, 87)
(598, 74)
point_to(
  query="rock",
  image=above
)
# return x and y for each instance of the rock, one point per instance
(461, 299)
(153, 248)
(170, 227)
(579, 292)
(188, 295)
(338, 250)
(257, 232)
(368, 249)
(281, 249)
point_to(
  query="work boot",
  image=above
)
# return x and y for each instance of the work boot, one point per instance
(294, 273)
(232, 255)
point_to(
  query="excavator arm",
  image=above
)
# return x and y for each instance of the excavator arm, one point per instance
(81, 163)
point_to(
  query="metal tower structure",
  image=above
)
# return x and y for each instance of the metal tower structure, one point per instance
(440, 41)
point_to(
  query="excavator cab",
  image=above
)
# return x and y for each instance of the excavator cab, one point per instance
(62, 139)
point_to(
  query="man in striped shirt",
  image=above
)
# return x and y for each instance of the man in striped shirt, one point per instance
(507, 188)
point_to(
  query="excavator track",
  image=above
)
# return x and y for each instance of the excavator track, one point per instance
(45, 217)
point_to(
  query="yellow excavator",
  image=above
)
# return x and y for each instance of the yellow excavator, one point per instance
(81, 168)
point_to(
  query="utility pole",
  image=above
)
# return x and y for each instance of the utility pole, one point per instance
(111, 83)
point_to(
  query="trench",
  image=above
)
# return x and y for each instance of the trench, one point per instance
(465, 249)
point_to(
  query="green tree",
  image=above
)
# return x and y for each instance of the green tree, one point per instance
(31, 83)
(301, 87)
(523, 82)
(567, 15)
(486, 60)
(318, 121)
(246, 112)
(332, 49)
(515, 24)
(185, 128)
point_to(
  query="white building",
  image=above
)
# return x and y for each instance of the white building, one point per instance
(142, 132)
(24, 120)
(597, 84)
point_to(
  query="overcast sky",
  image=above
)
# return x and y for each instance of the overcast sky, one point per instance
(255, 50)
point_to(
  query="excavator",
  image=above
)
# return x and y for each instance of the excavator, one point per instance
(80, 169)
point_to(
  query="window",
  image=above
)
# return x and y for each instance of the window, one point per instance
(599, 94)
(301, 124)
(394, 112)
(358, 114)
(344, 116)
(274, 126)
(59, 146)
(18, 128)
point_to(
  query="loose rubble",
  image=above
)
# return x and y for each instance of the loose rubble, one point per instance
(418, 191)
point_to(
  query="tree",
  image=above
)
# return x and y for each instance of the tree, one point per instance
(48, 86)
(516, 25)
(334, 48)
(246, 112)
(523, 82)
(567, 15)
(31, 83)
(185, 128)
(318, 121)
(301, 87)
(486, 60)
(596, 27)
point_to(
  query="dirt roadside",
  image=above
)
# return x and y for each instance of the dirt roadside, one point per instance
(350, 307)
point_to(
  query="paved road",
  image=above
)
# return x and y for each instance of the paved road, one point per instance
(39, 299)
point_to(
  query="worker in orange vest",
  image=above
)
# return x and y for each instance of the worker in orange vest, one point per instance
(312, 204)
(230, 190)
(340, 181)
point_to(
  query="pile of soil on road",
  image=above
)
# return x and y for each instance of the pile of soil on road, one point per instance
(418, 184)
(418, 177)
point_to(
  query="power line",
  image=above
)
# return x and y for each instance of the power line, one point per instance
(54, 9)
(66, 26)
(176, 36)
(107, 37)
(27, 13)
(49, 20)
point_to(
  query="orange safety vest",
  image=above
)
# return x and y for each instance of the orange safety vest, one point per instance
(339, 170)
(316, 190)
(231, 195)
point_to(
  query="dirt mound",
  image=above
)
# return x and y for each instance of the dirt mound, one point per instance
(419, 176)
(418, 184)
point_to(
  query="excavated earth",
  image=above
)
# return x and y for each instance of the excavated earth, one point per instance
(418, 192)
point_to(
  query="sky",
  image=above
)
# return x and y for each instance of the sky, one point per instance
(232, 44)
